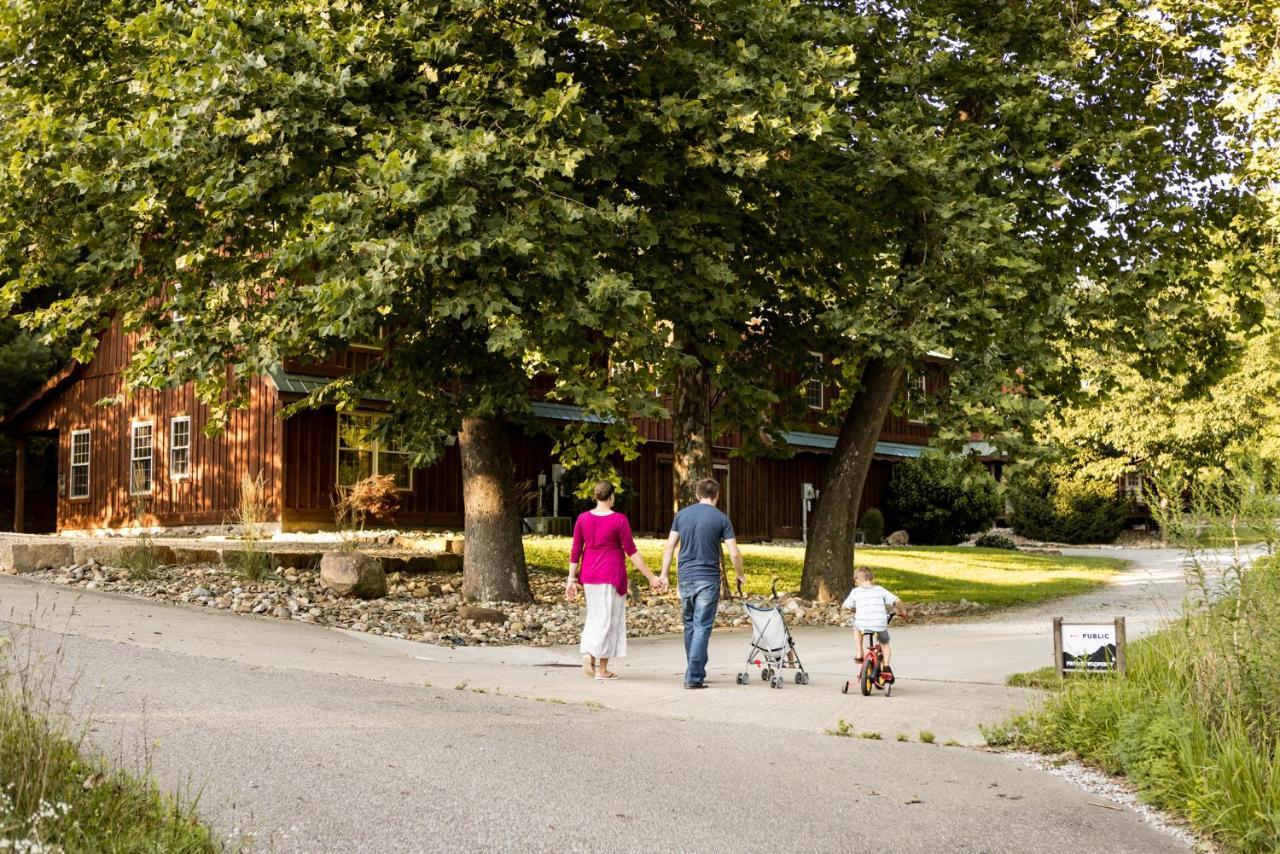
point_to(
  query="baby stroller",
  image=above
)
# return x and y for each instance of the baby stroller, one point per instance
(772, 648)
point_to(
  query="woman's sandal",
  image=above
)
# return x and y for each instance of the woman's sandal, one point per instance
(588, 665)
(605, 675)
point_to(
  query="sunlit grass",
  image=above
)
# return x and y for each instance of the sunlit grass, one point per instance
(992, 577)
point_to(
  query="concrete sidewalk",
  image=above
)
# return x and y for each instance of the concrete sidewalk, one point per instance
(302, 738)
(951, 675)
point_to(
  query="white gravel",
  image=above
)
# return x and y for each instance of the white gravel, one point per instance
(1110, 791)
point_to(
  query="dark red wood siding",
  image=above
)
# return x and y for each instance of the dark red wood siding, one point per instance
(251, 443)
(311, 489)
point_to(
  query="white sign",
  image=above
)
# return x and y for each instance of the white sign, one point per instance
(1088, 646)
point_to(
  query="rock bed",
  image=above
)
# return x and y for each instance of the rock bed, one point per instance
(427, 607)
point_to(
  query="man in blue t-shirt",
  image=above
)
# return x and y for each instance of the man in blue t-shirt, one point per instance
(699, 529)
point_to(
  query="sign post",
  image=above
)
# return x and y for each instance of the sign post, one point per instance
(1088, 647)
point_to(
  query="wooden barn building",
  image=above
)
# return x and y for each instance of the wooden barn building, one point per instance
(144, 459)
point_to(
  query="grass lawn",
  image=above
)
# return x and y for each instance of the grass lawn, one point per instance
(992, 577)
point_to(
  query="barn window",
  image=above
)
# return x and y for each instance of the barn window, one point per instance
(362, 452)
(1132, 487)
(917, 394)
(813, 389)
(180, 447)
(140, 458)
(79, 463)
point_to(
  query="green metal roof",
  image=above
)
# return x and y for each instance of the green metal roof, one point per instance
(826, 442)
(287, 383)
(566, 412)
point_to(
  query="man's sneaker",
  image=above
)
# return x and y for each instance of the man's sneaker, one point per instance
(692, 685)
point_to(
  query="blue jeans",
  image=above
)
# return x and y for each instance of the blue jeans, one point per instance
(699, 599)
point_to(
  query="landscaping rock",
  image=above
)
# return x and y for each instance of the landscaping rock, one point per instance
(898, 538)
(296, 560)
(16, 558)
(421, 563)
(118, 554)
(481, 615)
(353, 574)
(190, 556)
(448, 562)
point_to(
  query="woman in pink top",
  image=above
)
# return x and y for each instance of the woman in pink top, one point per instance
(601, 545)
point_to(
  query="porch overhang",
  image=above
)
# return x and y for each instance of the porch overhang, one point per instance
(826, 442)
(301, 385)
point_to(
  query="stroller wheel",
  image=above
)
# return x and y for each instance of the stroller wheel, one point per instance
(766, 674)
(802, 678)
(742, 679)
(776, 682)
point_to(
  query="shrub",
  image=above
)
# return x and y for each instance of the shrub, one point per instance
(1050, 504)
(374, 497)
(940, 499)
(992, 540)
(872, 524)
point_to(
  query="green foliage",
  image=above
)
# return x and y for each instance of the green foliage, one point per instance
(941, 499)
(992, 540)
(1194, 720)
(508, 194)
(25, 363)
(995, 579)
(926, 736)
(1053, 504)
(872, 524)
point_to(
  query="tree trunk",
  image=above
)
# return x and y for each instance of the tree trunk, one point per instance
(828, 557)
(691, 431)
(493, 567)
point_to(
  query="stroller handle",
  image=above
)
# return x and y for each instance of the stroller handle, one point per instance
(774, 588)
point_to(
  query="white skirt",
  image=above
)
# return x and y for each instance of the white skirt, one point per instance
(604, 634)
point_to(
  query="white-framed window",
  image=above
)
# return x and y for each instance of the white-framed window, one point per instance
(814, 389)
(141, 460)
(80, 463)
(376, 346)
(180, 447)
(917, 394)
(361, 452)
(1132, 487)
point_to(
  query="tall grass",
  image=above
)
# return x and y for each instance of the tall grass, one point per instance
(142, 559)
(251, 563)
(57, 796)
(1195, 722)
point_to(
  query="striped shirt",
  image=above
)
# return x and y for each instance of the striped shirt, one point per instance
(870, 607)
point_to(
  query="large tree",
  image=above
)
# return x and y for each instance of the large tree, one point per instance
(242, 184)
(507, 192)
(1035, 174)
(719, 105)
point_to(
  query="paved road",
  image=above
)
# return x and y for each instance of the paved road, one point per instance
(311, 739)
